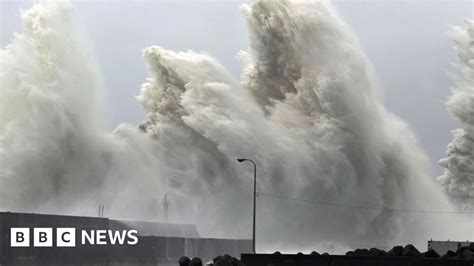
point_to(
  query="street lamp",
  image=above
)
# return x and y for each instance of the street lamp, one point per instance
(254, 197)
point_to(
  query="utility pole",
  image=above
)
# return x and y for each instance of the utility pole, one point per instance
(254, 198)
(101, 211)
(166, 203)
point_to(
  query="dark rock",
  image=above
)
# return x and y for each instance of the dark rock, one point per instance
(412, 248)
(236, 262)
(396, 251)
(361, 252)
(431, 254)
(465, 253)
(411, 251)
(445, 257)
(277, 253)
(350, 253)
(184, 261)
(223, 262)
(325, 254)
(377, 252)
(314, 253)
(216, 259)
(196, 262)
(227, 260)
(451, 253)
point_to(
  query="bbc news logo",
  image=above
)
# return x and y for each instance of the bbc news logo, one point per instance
(66, 237)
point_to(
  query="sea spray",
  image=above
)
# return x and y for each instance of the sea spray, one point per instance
(306, 111)
(458, 178)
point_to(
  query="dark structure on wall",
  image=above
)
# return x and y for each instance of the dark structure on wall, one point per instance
(158, 243)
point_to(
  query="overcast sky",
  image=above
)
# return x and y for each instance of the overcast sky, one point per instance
(406, 41)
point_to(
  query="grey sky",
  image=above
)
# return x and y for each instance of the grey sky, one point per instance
(405, 40)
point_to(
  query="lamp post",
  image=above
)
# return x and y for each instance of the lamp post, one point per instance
(254, 197)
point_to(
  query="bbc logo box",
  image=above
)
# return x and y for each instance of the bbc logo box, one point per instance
(42, 237)
(34, 220)
(20, 237)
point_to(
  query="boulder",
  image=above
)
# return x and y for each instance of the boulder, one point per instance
(196, 262)
(431, 254)
(395, 251)
(465, 253)
(361, 252)
(377, 252)
(411, 251)
(184, 261)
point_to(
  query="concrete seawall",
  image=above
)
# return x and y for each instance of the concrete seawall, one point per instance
(150, 250)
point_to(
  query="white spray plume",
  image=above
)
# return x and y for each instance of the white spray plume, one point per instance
(306, 111)
(458, 178)
(47, 111)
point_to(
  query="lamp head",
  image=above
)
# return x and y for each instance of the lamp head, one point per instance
(241, 160)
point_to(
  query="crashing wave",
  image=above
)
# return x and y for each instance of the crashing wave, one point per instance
(458, 178)
(306, 111)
